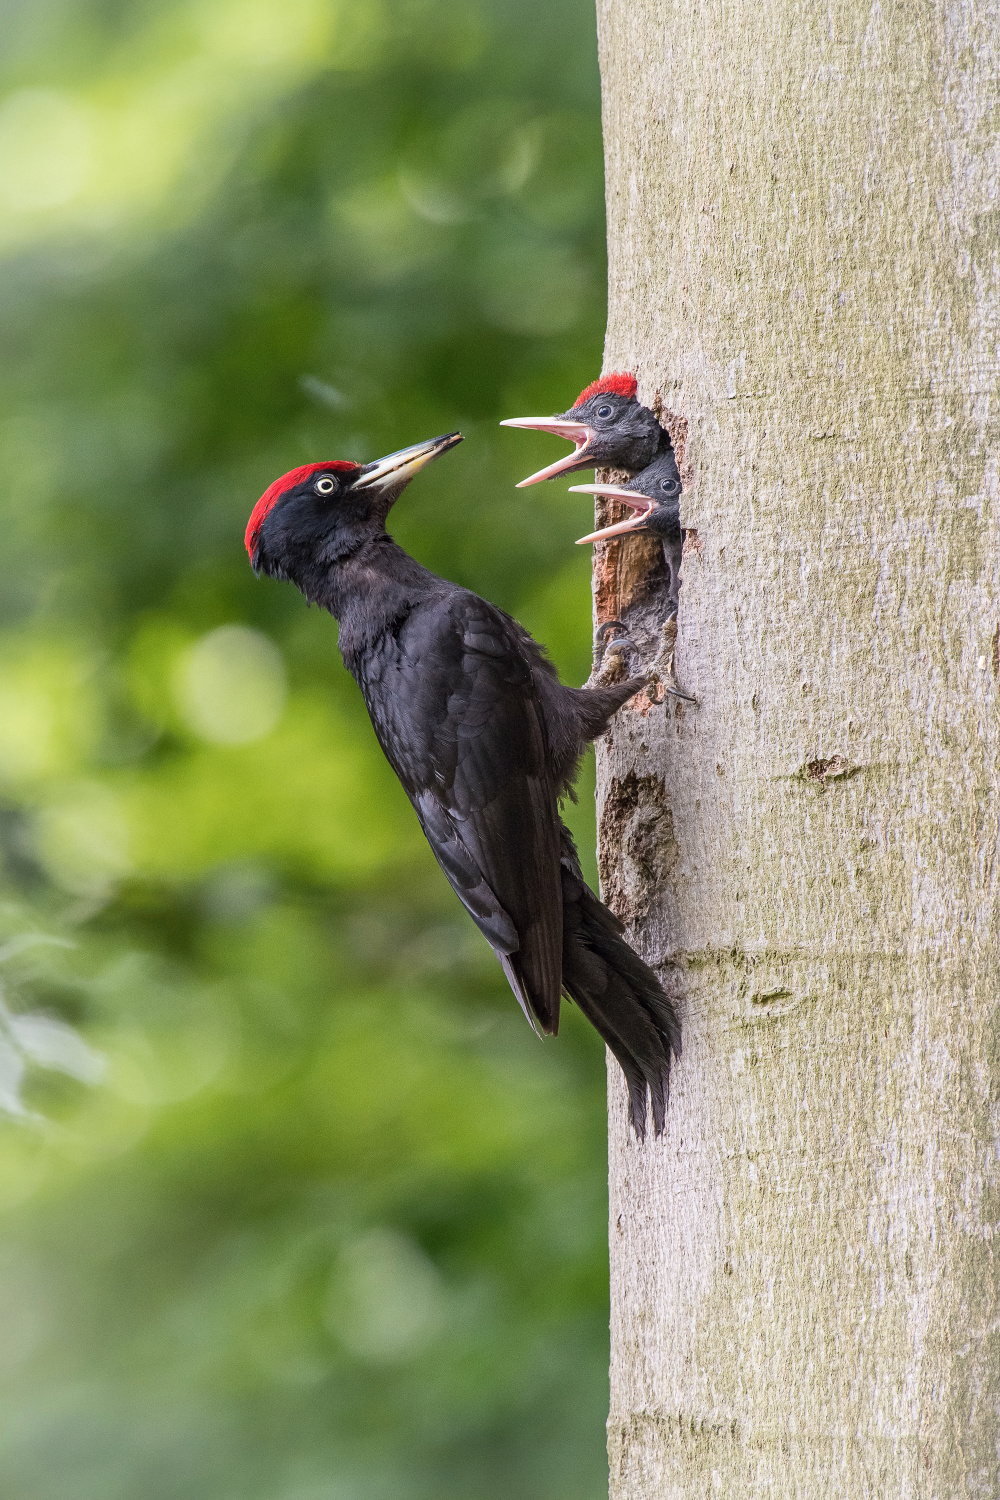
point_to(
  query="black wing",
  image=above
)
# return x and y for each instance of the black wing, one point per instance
(456, 711)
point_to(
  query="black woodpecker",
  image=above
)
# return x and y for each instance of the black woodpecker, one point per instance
(485, 740)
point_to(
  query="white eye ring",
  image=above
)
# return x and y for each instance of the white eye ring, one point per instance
(325, 486)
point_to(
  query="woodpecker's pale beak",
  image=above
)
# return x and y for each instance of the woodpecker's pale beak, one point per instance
(395, 471)
(577, 433)
(641, 504)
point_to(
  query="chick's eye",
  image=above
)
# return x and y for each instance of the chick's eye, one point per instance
(325, 486)
(669, 486)
(604, 411)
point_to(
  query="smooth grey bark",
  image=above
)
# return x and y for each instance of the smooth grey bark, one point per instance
(804, 259)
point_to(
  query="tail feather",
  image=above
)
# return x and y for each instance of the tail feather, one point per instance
(515, 979)
(619, 994)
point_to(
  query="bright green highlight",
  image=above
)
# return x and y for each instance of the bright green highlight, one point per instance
(293, 1206)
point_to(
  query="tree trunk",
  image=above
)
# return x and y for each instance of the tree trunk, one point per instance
(803, 233)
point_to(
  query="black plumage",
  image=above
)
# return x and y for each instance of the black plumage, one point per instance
(485, 741)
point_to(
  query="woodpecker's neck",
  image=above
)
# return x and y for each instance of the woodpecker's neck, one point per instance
(368, 590)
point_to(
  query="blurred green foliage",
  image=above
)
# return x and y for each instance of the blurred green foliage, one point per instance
(293, 1206)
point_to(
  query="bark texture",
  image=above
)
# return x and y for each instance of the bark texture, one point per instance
(805, 262)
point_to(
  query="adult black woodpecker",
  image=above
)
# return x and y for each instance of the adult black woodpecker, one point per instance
(608, 427)
(485, 740)
(655, 498)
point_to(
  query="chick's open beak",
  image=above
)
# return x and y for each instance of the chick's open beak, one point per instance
(641, 504)
(577, 433)
(396, 470)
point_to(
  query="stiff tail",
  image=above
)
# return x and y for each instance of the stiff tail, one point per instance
(619, 994)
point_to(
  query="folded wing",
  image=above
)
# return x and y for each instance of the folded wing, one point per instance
(458, 716)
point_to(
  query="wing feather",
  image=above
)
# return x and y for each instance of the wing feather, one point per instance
(455, 708)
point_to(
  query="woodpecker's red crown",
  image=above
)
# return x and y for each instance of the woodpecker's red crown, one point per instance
(288, 481)
(619, 384)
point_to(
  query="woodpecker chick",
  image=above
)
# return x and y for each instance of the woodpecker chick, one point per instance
(608, 427)
(654, 497)
(485, 741)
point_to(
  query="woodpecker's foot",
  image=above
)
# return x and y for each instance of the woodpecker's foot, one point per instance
(611, 655)
(664, 665)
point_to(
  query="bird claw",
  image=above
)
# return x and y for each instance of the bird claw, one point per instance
(602, 631)
(664, 665)
(612, 664)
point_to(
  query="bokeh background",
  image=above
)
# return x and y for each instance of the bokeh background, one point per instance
(293, 1206)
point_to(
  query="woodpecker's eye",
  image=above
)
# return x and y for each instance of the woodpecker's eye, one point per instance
(325, 486)
(669, 486)
(605, 411)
